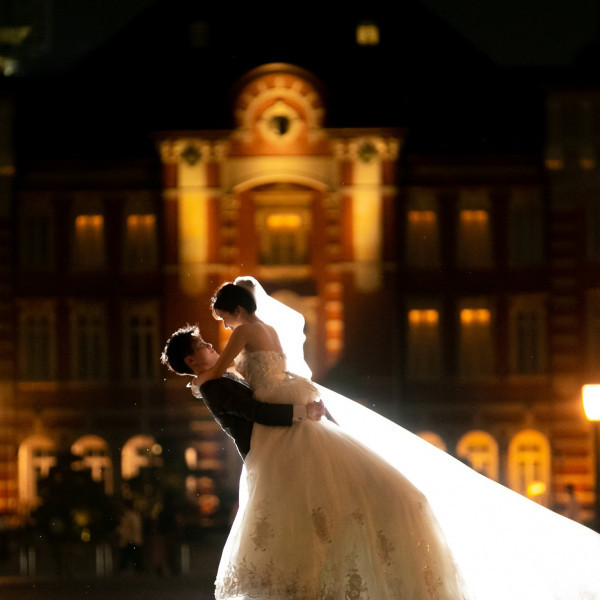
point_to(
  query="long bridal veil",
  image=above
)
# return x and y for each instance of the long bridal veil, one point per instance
(507, 546)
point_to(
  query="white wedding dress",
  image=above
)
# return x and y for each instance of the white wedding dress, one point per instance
(322, 517)
(330, 512)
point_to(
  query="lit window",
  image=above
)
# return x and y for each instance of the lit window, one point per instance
(88, 247)
(422, 239)
(95, 456)
(474, 229)
(480, 450)
(527, 335)
(140, 243)
(138, 453)
(37, 455)
(554, 164)
(141, 345)
(476, 355)
(283, 238)
(89, 342)
(529, 465)
(367, 34)
(424, 360)
(474, 249)
(37, 341)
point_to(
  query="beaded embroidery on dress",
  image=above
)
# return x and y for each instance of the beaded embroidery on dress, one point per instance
(322, 517)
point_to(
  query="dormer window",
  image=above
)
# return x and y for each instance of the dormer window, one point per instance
(367, 33)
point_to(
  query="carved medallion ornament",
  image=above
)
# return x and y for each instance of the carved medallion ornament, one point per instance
(279, 104)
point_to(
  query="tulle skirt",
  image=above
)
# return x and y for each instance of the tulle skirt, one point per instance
(322, 517)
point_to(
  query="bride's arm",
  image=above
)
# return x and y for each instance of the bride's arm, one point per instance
(237, 342)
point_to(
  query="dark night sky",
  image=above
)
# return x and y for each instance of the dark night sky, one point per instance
(524, 32)
(511, 32)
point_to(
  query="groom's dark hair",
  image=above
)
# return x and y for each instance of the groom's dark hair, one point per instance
(229, 296)
(178, 347)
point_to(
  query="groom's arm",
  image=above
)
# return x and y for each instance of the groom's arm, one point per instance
(233, 407)
(225, 397)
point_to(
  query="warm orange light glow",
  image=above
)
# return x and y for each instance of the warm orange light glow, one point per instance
(89, 241)
(334, 327)
(554, 164)
(423, 317)
(367, 34)
(479, 217)
(139, 222)
(281, 221)
(89, 222)
(475, 316)
(587, 164)
(591, 401)
(536, 488)
(421, 217)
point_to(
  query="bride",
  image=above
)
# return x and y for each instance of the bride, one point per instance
(364, 509)
(320, 516)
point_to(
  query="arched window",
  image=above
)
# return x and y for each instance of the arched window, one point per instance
(434, 439)
(37, 455)
(529, 465)
(139, 452)
(95, 456)
(480, 450)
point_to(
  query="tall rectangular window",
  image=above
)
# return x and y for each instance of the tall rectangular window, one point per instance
(593, 231)
(476, 356)
(528, 335)
(141, 248)
(89, 344)
(422, 230)
(593, 330)
(36, 237)
(474, 230)
(424, 353)
(37, 341)
(525, 241)
(141, 343)
(283, 236)
(88, 243)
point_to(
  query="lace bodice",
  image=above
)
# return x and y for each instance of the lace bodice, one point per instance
(265, 372)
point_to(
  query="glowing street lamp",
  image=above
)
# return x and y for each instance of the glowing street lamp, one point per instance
(591, 406)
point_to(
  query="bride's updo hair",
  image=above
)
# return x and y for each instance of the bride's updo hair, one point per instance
(229, 296)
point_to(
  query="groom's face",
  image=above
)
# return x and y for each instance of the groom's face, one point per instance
(204, 356)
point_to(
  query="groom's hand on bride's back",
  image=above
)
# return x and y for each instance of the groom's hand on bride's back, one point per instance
(315, 410)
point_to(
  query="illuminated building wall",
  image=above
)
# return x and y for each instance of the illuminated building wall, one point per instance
(456, 294)
(8, 487)
(304, 209)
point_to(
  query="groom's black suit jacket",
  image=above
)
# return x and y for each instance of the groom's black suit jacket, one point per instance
(234, 408)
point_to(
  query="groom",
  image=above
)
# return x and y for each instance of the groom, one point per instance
(228, 398)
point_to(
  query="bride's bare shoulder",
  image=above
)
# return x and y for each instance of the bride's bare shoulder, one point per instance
(260, 336)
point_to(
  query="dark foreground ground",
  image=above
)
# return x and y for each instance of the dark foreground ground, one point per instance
(197, 583)
(142, 587)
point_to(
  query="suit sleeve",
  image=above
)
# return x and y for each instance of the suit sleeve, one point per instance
(227, 397)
